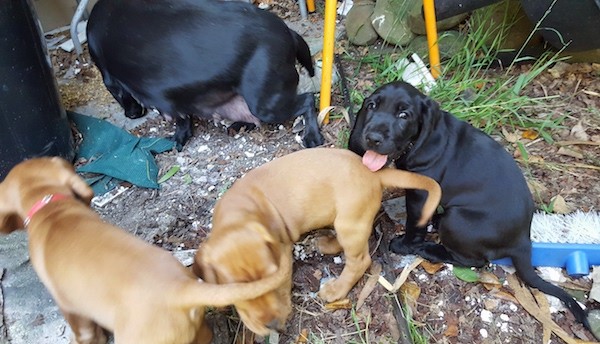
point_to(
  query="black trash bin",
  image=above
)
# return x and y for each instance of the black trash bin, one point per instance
(32, 119)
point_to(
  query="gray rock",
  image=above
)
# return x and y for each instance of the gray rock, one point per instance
(390, 21)
(583, 56)
(449, 43)
(508, 19)
(313, 85)
(416, 22)
(359, 29)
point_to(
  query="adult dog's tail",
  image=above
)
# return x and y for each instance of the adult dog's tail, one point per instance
(303, 53)
(194, 293)
(394, 178)
(522, 263)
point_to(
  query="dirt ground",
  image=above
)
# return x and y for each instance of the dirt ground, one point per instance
(448, 310)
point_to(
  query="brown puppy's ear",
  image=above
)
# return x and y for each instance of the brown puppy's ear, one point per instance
(9, 218)
(74, 182)
(259, 228)
(10, 222)
(80, 188)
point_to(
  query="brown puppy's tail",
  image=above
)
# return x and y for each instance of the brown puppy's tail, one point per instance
(394, 178)
(197, 292)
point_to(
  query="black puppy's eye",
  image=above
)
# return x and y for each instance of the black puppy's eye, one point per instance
(401, 114)
(371, 105)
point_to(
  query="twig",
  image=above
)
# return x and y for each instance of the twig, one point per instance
(570, 165)
(570, 143)
(401, 321)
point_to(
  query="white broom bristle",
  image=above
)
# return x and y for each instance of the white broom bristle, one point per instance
(574, 228)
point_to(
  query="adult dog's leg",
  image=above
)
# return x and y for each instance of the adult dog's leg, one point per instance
(183, 130)
(133, 109)
(305, 106)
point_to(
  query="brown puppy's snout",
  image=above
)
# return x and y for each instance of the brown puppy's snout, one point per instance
(276, 325)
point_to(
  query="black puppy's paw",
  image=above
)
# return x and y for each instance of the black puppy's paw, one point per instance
(237, 127)
(135, 110)
(181, 137)
(399, 246)
(312, 139)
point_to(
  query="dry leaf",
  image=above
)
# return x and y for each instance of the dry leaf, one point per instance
(535, 159)
(451, 331)
(545, 308)
(340, 304)
(491, 304)
(302, 337)
(560, 205)
(578, 132)
(401, 278)
(369, 285)
(570, 151)
(558, 70)
(530, 134)
(431, 268)
(487, 277)
(410, 293)
(502, 295)
(510, 137)
(528, 302)
(537, 188)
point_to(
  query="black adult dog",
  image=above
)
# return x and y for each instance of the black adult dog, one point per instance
(201, 57)
(487, 205)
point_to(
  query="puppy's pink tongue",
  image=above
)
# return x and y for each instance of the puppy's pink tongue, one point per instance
(374, 161)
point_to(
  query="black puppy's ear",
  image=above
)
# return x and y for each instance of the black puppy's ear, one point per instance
(354, 142)
(430, 109)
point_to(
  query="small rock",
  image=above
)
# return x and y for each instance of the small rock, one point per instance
(359, 29)
(389, 19)
(449, 44)
(486, 316)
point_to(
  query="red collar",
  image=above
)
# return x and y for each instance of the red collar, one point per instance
(42, 203)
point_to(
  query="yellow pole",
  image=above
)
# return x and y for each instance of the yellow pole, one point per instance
(328, 45)
(310, 5)
(432, 38)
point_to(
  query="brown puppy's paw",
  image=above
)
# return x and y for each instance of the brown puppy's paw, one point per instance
(328, 244)
(332, 291)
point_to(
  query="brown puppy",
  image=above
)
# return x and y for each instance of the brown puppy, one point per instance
(102, 276)
(268, 210)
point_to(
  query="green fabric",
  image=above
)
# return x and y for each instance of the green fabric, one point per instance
(117, 155)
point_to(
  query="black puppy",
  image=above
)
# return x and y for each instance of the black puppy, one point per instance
(201, 57)
(487, 205)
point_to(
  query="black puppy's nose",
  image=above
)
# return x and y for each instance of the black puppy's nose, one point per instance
(373, 139)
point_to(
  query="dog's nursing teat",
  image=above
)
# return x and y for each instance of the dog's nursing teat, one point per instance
(373, 160)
